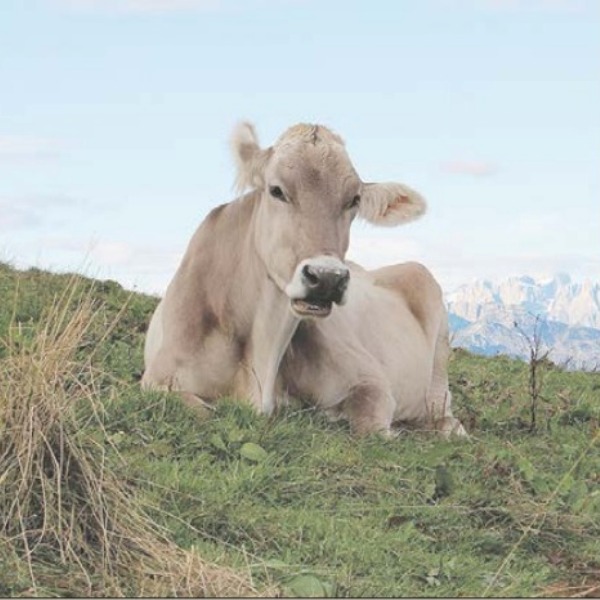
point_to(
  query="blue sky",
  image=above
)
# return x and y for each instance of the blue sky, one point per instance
(115, 115)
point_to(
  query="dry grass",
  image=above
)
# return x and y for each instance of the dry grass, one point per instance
(68, 525)
(565, 590)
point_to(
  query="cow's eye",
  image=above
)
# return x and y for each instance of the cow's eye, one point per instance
(354, 202)
(277, 192)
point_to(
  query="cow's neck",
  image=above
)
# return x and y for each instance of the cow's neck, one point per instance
(260, 311)
(273, 327)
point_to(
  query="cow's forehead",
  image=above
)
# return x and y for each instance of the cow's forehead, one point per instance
(308, 133)
(312, 153)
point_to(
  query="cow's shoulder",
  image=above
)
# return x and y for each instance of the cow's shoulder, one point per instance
(231, 216)
(416, 285)
(198, 298)
(213, 215)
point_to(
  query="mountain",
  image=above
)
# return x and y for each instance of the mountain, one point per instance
(501, 318)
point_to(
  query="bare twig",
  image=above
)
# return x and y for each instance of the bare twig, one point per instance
(536, 359)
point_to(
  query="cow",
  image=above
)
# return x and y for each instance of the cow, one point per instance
(264, 306)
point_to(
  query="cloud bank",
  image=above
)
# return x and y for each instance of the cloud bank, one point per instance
(29, 212)
(24, 147)
(164, 6)
(466, 167)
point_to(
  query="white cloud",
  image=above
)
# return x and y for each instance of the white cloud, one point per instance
(16, 218)
(453, 258)
(143, 266)
(573, 230)
(373, 250)
(164, 6)
(150, 268)
(452, 272)
(519, 6)
(24, 148)
(538, 5)
(455, 261)
(466, 167)
(142, 5)
(115, 252)
(28, 212)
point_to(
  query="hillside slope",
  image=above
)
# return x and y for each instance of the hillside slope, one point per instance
(302, 504)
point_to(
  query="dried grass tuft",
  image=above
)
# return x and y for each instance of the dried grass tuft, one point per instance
(68, 525)
(566, 590)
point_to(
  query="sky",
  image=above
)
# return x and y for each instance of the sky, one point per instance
(115, 117)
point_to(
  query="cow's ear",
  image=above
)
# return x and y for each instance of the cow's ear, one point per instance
(390, 204)
(250, 158)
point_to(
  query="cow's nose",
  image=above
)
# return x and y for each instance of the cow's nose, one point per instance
(325, 283)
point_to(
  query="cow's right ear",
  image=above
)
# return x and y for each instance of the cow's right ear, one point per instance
(390, 204)
(250, 158)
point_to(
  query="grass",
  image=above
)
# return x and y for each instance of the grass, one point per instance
(292, 505)
(69, 525)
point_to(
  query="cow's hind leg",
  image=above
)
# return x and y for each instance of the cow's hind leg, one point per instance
(158, 379)
(369, 408)
(439, 397)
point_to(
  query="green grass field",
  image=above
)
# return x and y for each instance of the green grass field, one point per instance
(300, 506)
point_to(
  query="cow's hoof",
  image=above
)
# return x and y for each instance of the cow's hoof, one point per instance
(453, 427)
(391, 434)
(267, 409)
(197, 404)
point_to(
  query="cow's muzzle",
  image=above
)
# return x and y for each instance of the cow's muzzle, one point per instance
(317, 284)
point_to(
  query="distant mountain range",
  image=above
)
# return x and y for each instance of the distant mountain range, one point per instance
(495, 318)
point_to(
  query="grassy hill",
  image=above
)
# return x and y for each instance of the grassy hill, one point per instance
(104, 488)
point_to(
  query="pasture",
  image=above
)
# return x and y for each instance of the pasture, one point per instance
(134, 493)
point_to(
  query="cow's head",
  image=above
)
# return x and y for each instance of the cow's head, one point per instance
(309, 196)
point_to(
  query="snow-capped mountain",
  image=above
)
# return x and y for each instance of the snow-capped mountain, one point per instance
(496, 318)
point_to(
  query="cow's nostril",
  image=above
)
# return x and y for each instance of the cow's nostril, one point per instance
(311, 277)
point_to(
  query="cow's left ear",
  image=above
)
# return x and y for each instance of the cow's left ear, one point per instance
(390, 204)
(249, 157)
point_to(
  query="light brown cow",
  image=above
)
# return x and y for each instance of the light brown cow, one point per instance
(250, 310)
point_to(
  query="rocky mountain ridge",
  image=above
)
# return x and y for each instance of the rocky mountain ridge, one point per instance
(499, 317)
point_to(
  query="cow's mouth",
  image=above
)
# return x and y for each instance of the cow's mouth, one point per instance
(311, 308)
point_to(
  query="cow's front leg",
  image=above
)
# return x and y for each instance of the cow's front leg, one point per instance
(272, 330)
